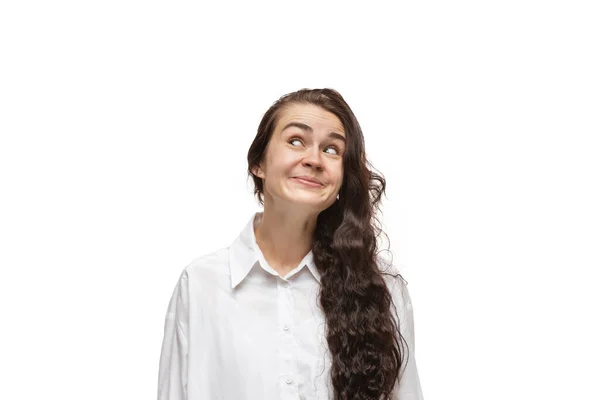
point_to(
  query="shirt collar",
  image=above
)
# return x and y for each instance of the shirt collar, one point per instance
(244, 253)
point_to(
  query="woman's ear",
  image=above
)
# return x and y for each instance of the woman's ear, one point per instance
(257, 171)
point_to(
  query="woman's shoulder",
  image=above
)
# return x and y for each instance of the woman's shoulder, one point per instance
(208, 262)
(207, 265)
(206, 271)
(389, 269)
(396, 283)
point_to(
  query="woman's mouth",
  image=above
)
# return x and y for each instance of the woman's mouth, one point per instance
(308, 183)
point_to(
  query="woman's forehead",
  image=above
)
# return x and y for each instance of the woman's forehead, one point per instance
(309, 114)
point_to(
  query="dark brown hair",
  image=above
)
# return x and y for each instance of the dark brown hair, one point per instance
(367, 355)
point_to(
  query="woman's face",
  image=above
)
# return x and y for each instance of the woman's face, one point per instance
(313, 148)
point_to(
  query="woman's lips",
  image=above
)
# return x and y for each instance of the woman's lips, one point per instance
(308, 183)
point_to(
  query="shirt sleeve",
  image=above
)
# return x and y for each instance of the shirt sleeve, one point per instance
(172, 375)
(409, 387)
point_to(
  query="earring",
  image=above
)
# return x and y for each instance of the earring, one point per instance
(338, 196)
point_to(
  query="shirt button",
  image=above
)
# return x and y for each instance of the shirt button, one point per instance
(286, 328)
(288, 381)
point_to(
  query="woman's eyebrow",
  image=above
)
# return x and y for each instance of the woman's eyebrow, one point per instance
(309, 129)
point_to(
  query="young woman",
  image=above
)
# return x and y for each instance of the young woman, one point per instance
(300, 305)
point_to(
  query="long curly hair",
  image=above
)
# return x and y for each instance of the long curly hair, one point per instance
(364, 339)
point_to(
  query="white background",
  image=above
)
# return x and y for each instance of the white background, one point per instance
(125, 129)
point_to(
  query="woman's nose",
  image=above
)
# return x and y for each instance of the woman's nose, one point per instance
(313, 159)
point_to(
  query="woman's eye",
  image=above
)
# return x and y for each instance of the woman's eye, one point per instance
(329, 147)
(334, 148)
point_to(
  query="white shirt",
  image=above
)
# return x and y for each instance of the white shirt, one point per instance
(236, 330)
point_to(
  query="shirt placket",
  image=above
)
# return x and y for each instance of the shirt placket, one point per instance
(288, 372)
